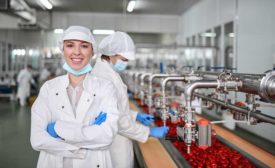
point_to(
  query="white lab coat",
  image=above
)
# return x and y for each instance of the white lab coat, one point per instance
(44, 75)
(122, 147)
(24, 80)
(87, 146)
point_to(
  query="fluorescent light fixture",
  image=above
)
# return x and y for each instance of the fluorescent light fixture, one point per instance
(19, 52)
(58, 31)
(22, 9)
(23, 52)
(231, 35)
(27, 16)
(208, 34)
(30, 52)
(103, 31)
(47, 4)
(131, 5)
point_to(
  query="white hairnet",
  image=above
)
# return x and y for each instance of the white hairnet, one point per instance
(78, 33)
(118, 43)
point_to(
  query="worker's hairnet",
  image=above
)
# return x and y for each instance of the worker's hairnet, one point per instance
(77, 33)
(118, 43)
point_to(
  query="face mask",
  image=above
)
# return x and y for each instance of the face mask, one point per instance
(82, 71)
(120, 65)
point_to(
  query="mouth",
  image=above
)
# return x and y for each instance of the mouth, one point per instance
(77, 60)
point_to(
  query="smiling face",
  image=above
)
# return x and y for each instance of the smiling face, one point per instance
(77, 53)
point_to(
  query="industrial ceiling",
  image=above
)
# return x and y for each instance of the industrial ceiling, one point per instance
(173, 7)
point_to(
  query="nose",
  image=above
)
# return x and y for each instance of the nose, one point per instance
(76, 50)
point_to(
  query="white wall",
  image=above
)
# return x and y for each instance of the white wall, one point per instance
(256, 35)
(29, 38)
(135, 23)
(8, 22)
(40, 38)
(204, 15)
(129, 23)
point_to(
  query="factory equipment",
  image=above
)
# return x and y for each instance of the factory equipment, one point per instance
(207, 86)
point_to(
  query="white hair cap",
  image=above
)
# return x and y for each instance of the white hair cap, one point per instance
(78, 33)
(118, 43)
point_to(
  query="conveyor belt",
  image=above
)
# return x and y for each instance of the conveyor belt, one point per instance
(245, 146)
(153, 152)
(177, 157)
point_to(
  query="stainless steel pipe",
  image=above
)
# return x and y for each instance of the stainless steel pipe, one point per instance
(151, 78)
(259, 84)
(163, 86)
(257, 114)
(198, 84)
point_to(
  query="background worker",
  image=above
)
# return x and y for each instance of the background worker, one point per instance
(116, 49)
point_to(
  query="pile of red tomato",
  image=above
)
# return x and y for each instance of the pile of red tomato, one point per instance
(216, 156)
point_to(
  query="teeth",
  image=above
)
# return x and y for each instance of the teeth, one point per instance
(77, 60)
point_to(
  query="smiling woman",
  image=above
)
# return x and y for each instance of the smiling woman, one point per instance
(75, 116)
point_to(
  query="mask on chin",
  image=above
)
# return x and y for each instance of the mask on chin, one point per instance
(82, 71)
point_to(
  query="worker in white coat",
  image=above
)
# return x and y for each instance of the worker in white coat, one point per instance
(74, 118)
(116, 50)
(44, 74)
(24, 80)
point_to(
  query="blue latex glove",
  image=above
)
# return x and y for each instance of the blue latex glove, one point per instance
(171, 112)
(130, 94)
(99, 119)
(51, 131)
(158, 132)
(144, 118)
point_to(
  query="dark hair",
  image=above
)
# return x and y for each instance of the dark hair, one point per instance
(29, 66)
(105, 57)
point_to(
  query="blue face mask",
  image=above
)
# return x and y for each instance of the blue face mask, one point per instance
(82, 71)
(120, 65)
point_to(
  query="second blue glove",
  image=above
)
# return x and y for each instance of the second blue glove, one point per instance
(159, 132)
(144, 118)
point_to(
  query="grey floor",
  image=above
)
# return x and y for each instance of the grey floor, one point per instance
(15, 148)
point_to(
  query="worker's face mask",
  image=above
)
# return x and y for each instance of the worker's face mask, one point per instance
(120, 65)
(82, 71)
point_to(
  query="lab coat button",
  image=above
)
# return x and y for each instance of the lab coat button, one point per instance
(97, 166)
(56, 94)
(62, 106)
(94, 94)
(88, 100)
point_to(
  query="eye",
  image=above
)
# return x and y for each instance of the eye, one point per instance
(69, 45)
(85, 45)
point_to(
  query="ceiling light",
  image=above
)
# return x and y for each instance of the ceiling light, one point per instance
(208, 34)
(21, 8)
(231, 34)
(58, 31)
(103, 31)
(47, 4)
(30, 52)
(131, 5)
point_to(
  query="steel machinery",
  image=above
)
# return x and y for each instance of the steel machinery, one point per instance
(177, 97)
